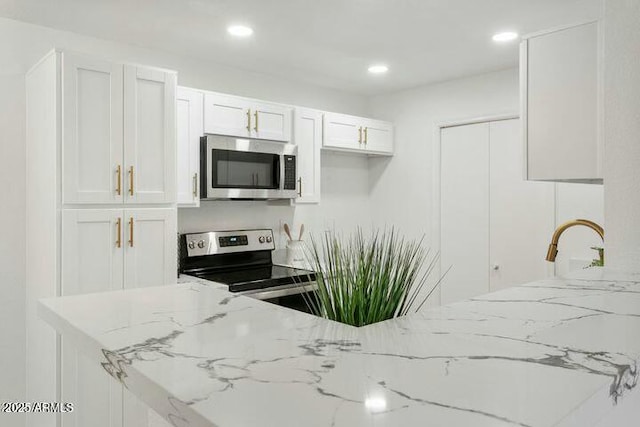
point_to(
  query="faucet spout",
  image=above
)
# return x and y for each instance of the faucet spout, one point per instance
(552, 252)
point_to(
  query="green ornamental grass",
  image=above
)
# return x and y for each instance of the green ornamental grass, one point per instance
(367, 279)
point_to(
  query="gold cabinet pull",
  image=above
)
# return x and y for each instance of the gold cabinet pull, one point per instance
(360, 135)
(255, 115)
(119, 233)
(366, 135)
(249, 120)
(300, 187)
(119, 183)
(131, 231)
(131, 181)
(195, 185)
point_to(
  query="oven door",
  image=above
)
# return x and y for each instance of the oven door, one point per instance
(236, 168)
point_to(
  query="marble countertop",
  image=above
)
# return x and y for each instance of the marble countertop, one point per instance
(557, 352)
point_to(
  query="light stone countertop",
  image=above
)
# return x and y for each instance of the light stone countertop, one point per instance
(558, 352)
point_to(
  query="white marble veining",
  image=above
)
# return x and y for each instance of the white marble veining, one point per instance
(559, 352)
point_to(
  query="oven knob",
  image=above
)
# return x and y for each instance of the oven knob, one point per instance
(261, 239)
(201, 244)
(269, 239)
(192, 245)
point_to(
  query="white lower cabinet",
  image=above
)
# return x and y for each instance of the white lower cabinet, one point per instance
(308, 137)
(105, 250)
(190, 127)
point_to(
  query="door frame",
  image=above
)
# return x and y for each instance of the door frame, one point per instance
(437, 175)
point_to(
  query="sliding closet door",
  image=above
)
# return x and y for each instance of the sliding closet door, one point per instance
(464, 211)
(522, 218)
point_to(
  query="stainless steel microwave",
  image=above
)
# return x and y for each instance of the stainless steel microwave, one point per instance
(239, 168)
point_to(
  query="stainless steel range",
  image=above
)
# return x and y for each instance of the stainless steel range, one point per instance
(242, 259)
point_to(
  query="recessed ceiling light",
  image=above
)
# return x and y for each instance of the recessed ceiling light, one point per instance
(507, 36)
(240, 30)
(378, 69)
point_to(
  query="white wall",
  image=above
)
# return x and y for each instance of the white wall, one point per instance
(622, 133)
(12, 241)
(21, 45)
(402, 188)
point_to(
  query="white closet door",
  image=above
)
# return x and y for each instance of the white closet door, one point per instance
(465, 211)
(150, 135)
(92, 130)
(522, 218)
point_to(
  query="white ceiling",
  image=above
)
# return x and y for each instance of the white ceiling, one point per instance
(326, 42)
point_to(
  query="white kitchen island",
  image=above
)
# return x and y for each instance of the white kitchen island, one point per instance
(559, 352)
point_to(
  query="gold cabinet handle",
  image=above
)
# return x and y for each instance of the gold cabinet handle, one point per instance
(119, 233)
(366, 135)
(195, 185)
(119, 183)
(255, 115)
(131, 181)
(249, 120)
(131, 231)
(300, 187)
(360, 135)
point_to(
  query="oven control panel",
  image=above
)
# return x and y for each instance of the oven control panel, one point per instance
(222, 242)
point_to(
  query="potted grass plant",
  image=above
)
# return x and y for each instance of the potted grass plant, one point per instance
(363, 279)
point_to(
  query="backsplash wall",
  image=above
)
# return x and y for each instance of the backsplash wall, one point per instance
(344, 205)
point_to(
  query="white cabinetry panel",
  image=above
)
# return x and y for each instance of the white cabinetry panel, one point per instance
(271, 122)
(308, 137)
(227, 115)
(562, 103)
(378, 136)
(149, 100)
(92, 130)
(190, 127)
(91, 262)
(342, 131)
(357, 134)
(151, 247)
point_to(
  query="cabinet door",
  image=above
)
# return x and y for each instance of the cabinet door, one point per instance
(342, 132)
(308, 137)
(522, 213)
(150, 247)
(150, 136)
(378, 137)
(561, 105)
(271, 122)
(91, 130)
(92, 261)
(464, 213)
(189, 115)
(227, 115)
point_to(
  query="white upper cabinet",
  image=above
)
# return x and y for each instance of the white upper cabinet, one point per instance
(308, 137)
(562, 104)
(357, 134)
(92, 130)
(149, 135)
(227, 115)
(190, 127)
(235, 116)
(378, 136)
(150, 247)
(271, 121)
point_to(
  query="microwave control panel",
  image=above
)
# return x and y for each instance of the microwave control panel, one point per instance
(289, 172)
